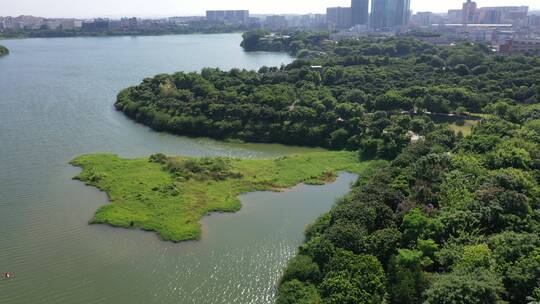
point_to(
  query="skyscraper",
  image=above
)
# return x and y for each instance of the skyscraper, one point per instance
(389, 14)
(240, 16)
(469, 12)
(403, 12)
(360, 11)
(339, 17)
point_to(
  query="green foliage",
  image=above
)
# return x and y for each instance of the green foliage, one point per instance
(475, 257)
(453, 220)
(251, 40)
(507, 155)
(159, 158)
(406, 278)
(429, 248)
(522, 278)
(416, 225)
(462, 70)
(169, 195)
(319, 249)
(509, 247)
(335, 106)
(303, 269)
(535, 297)
(3, 51)
(292, 42)
(352, 279)
(202, 169)
(296, 292)
(477, 288)
(454, 217)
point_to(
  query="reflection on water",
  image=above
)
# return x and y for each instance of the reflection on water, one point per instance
(56, 99)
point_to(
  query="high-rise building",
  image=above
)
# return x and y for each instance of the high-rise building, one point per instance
(389, 14)
(533, 21)
(490, 16)
(503, 14)
(403, 12)
(469, 12)
(276, 22)
(424, 18)
(360, 12)
(240, 16)
(455, 16)
(339, 17)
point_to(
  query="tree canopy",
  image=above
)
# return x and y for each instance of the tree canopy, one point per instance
(447, 223)
(452, 219)
(366, 95)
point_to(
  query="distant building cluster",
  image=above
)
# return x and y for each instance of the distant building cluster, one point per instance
(238, 16)
(384, 15)
(31, 23)
(36, 23)
(509, 29)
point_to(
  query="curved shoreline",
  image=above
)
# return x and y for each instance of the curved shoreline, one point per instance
(144, 195)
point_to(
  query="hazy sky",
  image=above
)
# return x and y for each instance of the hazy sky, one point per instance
(155, 8)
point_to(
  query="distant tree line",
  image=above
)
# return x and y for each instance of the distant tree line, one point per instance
(150, 31)
(287, 41)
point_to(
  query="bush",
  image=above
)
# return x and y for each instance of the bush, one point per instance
(159, 158)
(407, 280)
(302, 268)
(465, 288)
(296, 292)
(353, 279)
(202, 168)
(522, 278)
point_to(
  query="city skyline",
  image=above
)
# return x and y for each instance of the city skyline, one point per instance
(163, 8)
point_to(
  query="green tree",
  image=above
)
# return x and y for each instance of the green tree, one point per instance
(303, 269)
(353, 279)
(296, 292)
(406, 278)
(522, 278)
(481, 287)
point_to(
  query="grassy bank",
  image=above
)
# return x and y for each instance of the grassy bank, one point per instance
(170, 195)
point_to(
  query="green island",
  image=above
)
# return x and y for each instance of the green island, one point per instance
(169, 195)
(366, 95)
(3, 51)
(453, 216)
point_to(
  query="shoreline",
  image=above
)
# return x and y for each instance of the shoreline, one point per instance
(118, 35)
(143, 195)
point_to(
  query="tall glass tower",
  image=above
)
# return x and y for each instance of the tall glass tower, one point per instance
(389, 14)
(360, 11)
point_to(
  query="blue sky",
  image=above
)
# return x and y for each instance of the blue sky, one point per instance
(157, 8)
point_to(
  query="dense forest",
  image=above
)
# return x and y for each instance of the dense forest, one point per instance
(3, 50)
(450, 220)
(372, 95)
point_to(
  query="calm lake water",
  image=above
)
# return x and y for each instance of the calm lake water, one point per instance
(56, 99)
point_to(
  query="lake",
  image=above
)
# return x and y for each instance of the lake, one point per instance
(56, 102)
